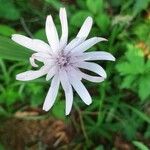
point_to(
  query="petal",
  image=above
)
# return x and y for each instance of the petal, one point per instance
(52, 93)
(33, 44)
(85, 29)
(80, 88)
(87, 44)
(51, 73)
(51, 33)
(64, 26)
(92, 67)
(98, 56)
(31, 74)
(82, 34)
(67, 89)
(42, 57)
(92, 78)
(75, 42)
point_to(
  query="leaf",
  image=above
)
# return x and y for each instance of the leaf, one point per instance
(142, 31)
(1, 147)
(140, 5)
(140, 114)
(140, 145)
(8, 10)
(58, 109)
(56, 3)
(11, 50)
(95, 6)
(133, 63)
(144, 87)
(6, 30)
(128, 81)
(103, 22)
(79, 17)
(40, 34)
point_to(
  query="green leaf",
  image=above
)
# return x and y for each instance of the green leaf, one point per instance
(95, 6)
(40, 34)
(8, 10)
(140, 114)
(58, 109)
(144, 87)
(128, 81)
(79, 17)
(13, 51)
(103, 22)
(6, 30)
(141, 30)
(55, 3)
(134, 62)
(140, 145)
(2, 147)
(140, 5)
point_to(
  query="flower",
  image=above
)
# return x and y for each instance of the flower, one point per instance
(63, 62)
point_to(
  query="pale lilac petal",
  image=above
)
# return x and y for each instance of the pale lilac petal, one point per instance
(51, 33)
(92, 78)
(52, 93)
(76, 72)
(64, 26)
(32, 62)
(42, 57)
(51, 73)
(87, 44)
(92, 67)
(33, 44)
(79, 88)
(75, 42)
(31, 74)
(85, 29)
(82, 34)
(67, 89)
(98, 56)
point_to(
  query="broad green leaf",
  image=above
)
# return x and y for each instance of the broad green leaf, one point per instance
(2, 147)
(128, 81)
(140, 5)
(95, 6)
(144, 87)
(58, 109)
(6, 30)
(8, 10)
(140, 145)
(141, 30)
(11, 50)
(134, 62)
(55, 3)
(125, 68)
(103, 22)
(79, 17)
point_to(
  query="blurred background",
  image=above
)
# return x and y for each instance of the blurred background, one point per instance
(118, 118)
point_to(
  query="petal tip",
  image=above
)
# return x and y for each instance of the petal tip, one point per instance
(45, 108)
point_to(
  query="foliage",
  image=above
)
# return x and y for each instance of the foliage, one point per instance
(120, 105)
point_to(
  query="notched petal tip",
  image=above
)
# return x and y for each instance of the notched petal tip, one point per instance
(67, 113)
(45, 108)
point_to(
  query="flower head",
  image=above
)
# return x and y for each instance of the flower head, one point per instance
(63, 62)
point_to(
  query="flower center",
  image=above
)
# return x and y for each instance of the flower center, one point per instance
(63, 60)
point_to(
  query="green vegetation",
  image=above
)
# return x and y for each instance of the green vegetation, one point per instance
(120, 113)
